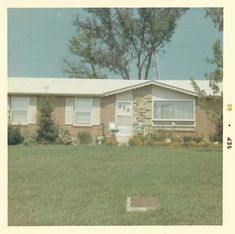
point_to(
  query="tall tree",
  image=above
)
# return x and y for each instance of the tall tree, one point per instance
(217, 16)
(214, 105)
(118, 41)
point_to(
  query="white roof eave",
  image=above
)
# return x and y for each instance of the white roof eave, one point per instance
(150, 83)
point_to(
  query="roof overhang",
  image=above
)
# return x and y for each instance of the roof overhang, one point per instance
(56, 94)
(151, 82)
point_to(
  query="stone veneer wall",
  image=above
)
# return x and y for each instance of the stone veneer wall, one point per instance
(142, 113)
(142, 108)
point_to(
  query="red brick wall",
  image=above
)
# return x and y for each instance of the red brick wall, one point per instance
(204, 126)
(107, 114)
(108, 110)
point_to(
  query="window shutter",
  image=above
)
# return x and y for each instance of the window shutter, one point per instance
(69, 110)
(32, 109)
(96, 111)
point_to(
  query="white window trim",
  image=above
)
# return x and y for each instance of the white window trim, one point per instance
(172, 120)
(74, 113)
(131, 115)
(11, 111)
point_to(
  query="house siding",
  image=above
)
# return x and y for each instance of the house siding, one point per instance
(107, 112)
(204, 126)
(142, 112)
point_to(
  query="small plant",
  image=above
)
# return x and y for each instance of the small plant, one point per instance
(112, 140)
(14, 135)
(192, 140)
(135, 140)
(186, 139)
(159, 135)
(100, 140)
(85, 138)
(64, 137)
(197, 139)
(148, 141)
(29, 141)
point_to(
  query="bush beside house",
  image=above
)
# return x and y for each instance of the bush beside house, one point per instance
(14, 135)
(47, 131)
(85, 138)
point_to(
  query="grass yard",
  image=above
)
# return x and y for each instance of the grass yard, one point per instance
(89, 185)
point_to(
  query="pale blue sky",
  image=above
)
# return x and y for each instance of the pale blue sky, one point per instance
(38, 43)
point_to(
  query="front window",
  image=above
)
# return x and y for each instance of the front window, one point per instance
(19, 108)
(174, 114)
(83, 108)
(173, 110)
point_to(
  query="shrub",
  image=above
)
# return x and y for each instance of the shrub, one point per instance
(64, 137)
(148, 141)
(159, 135)
(141, 140)
(135, 140)
(112, 140)
(85, 138)
(161, 143)
(14, 135)
(192, 140)
(47, 131)
(197, 139)
(29, 141)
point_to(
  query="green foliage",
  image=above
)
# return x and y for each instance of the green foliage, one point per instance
(154, 139)
(213, 105)
(14, 135)
(216, 76)
(112, 140)
(64, 137)
(85, 138)
(160, 135)
(135, 140)
(112, 40)
(217, 16)
(29, 141)
(47, 131)
(142, 140)
(192, 140)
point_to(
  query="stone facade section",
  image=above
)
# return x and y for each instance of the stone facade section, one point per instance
(142, 109)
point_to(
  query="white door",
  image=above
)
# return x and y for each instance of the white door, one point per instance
(124, 118)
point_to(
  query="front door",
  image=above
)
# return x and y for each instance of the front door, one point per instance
(124, 118)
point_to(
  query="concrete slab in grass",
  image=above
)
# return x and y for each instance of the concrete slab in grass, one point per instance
(142, 203)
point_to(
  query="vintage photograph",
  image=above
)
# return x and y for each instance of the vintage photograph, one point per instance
(115, 116)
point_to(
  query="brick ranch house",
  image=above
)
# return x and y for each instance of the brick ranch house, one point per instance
(86, 104)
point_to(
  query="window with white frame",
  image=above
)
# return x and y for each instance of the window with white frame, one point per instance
(82, 111)
(19, 110)
(174, 113)
(174, 110)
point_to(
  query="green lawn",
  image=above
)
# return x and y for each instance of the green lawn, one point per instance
(89, 185)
